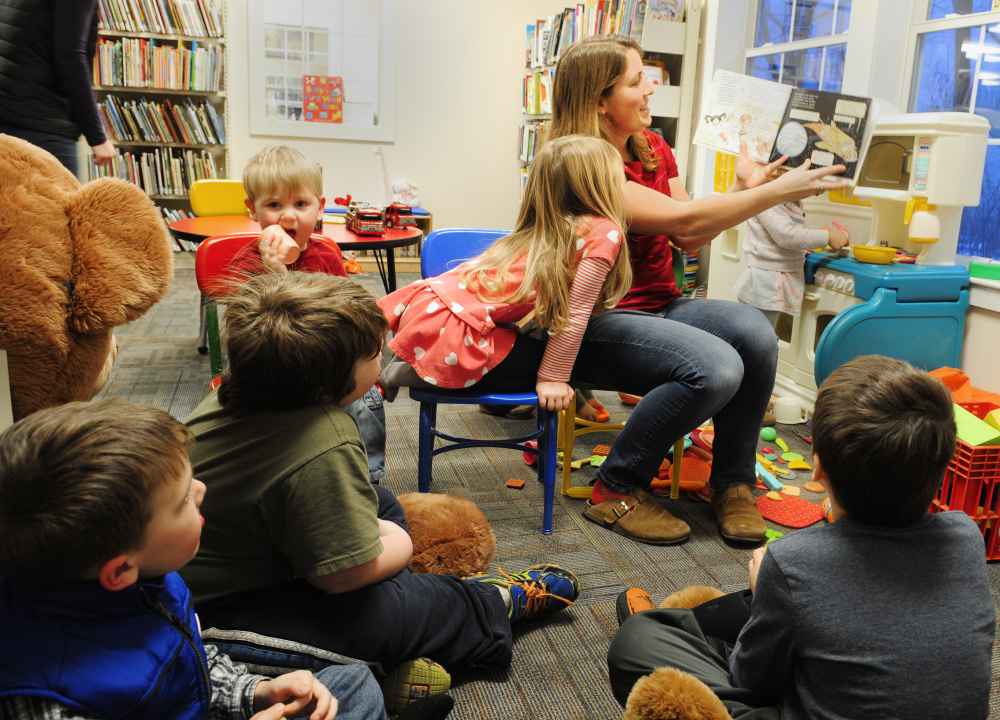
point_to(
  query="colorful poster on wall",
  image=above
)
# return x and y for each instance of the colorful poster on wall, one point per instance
(322, 99)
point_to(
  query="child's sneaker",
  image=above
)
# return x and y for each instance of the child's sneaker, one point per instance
(413, 680)
(539, 590)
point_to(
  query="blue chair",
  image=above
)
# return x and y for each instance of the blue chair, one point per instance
(443, 250)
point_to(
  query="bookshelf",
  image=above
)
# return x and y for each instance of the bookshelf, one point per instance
(674, 43)
(159, 80)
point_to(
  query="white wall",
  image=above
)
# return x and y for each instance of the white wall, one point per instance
(458, 109)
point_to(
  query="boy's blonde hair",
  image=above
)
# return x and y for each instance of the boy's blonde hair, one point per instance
(571, 178)
(279, 167)
(77, 484)
(588, 71)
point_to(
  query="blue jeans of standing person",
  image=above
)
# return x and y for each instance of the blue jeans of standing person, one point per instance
(693, 360)
(64, 148)
(358, 694)
(368, 412)
(452, 621)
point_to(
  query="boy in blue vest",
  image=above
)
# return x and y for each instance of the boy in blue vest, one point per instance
(98, 509)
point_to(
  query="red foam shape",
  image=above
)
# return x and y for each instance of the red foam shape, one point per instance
(790, 511)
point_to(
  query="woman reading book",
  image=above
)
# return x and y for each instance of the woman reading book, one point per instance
(691, 360)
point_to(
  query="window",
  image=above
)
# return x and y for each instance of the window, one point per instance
(957, 68)
(320, 68)
(800, 43)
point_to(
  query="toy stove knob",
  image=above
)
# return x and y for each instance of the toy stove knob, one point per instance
(849, 286)
(818, 277)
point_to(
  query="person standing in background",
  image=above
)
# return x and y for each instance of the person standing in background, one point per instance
(47, 50)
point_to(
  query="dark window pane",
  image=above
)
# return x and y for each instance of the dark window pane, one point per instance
(833, 70)
(944, 78)
(978, 235)
(802, 68)
(773, 21)
(942, 8)
(813, 18)
(767, 67)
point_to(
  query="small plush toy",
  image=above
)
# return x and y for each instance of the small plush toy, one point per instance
(450, 534)
(75, 262)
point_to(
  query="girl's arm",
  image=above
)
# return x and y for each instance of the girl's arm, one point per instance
(789, 234)
(562, 349)
(654, 213)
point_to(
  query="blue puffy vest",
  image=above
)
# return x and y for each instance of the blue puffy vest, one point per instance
(135, 653)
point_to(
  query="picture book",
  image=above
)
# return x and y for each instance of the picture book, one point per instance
(322, 99)
(824, 127)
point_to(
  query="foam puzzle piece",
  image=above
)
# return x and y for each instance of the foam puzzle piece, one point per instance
(973, 430)
(813, 487)
(799, 465)
(790, 511)
(782, 444)
(791, 490)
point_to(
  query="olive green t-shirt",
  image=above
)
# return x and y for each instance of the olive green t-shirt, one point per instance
(288, 496)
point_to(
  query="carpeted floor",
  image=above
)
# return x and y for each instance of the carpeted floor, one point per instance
(559, 668)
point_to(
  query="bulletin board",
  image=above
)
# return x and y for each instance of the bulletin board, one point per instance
(322, 68)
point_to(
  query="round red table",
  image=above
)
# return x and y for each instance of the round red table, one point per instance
(197, 229)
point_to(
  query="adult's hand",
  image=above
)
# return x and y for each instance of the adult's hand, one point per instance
(749, 172)
(805, 181)
(104, 152)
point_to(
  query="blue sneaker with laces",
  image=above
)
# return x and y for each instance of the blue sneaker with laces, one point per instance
(540, 590)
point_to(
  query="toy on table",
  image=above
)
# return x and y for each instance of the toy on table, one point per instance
(365, 219)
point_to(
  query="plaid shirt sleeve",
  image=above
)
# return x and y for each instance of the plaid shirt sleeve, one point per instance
(21, 707)
(232, 687)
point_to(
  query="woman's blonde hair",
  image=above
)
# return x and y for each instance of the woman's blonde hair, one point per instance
(587, 72)
(572, 178)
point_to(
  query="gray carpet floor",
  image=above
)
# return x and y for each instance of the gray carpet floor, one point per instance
(559, 668)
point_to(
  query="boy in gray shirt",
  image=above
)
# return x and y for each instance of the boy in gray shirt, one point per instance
(885, 613)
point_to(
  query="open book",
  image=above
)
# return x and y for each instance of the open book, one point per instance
(824, 127)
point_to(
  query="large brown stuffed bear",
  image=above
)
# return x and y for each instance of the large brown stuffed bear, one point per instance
(75, 262)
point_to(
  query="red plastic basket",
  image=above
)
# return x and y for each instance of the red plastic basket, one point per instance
(972, 484)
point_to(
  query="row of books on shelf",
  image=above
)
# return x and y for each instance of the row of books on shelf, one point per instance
(548, 38)
(171, 214)
(163, 171)
(537, 94)
(146, 63)
(199, 18)
(164, 122)
(532, 137)
(690, 272)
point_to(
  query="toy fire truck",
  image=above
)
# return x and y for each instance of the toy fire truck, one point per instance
(399, 215)
(364, 219)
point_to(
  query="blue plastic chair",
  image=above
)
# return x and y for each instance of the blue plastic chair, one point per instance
(443, 250)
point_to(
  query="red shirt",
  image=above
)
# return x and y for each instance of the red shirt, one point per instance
(317, 257)
(653, 282)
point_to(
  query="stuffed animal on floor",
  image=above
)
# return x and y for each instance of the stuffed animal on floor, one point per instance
(75, 262)
(670, 694)
(450, 534)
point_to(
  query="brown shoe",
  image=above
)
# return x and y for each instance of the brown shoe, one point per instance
(737, 515)
(768, 420)
(639, 517)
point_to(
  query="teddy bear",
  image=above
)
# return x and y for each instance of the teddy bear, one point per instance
(76, 261)
(450, 534)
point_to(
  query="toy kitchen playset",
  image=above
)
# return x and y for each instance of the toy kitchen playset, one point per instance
(920, 172)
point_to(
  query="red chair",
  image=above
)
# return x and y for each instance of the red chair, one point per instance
(216, 281)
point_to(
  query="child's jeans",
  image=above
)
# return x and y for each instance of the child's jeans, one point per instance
(369, 413)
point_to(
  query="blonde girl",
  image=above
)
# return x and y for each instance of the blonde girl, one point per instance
(565, 260)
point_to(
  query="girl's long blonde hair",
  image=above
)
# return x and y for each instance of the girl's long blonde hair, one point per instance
(571, 178)
(588, 71)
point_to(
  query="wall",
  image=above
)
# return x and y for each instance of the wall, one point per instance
(458, 109)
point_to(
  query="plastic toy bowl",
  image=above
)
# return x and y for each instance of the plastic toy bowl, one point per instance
(874, 254)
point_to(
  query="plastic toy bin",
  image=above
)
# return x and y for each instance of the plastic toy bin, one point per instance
(972, 484)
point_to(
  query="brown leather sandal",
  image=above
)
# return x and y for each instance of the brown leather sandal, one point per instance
(639, 517)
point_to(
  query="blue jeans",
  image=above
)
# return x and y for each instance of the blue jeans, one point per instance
(368, 412)
(693, 360)
(64, 148)
(358, 694)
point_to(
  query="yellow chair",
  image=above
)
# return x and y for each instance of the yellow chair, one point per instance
(571, 427)
(218, 197)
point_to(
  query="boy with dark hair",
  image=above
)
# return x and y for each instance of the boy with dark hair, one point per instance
(298, 545)
(98, 509)
(884, 613)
